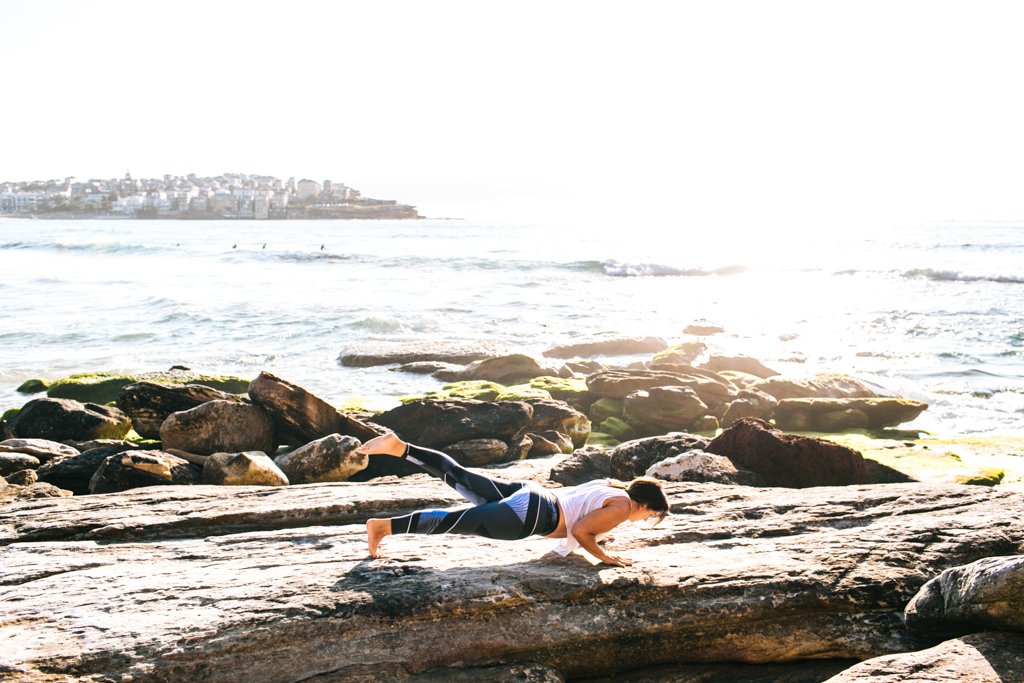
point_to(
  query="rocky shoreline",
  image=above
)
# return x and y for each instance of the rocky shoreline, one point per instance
(161, 528)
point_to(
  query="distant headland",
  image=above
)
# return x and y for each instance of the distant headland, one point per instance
(230, 196)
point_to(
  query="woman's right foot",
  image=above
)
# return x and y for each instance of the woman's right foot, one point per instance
(385, 444)
(376, 529)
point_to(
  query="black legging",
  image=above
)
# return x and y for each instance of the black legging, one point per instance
(505, 510)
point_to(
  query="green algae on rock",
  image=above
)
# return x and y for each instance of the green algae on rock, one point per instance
(105, 387)
(33, 386)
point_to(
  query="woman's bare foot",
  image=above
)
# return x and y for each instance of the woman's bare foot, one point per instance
(376, 529)
(385, 444)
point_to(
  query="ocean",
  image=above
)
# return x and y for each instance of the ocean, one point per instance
(933, 312)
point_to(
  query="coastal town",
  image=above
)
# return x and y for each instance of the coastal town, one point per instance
(236, 196)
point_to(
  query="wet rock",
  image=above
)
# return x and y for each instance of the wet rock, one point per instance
(978, 658)
(749, 403)
(42, 449)
(15, 462)
(428, 367)
(572, 390)
(624, 346)
(301, 417)
(33, 386)
(823, 385)
(251, 468)
(135, 469)
(332, 458)
(746, 364)
(987, 595)
(634, 458)
(788, 460)
(558, 416)
(148, 404)
(697, 465)
(219, 426)
(550, 443)
(700, 329)
(61, 419)
(678, 354)
(843, 414)
(478, 452)
(736, 573)
(446, 351)
(74, 473)
(439, 423)
(585, 464)
(504, 369)
(659, 410)
(710, 389)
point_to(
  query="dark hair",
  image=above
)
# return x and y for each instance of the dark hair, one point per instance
(647, 491)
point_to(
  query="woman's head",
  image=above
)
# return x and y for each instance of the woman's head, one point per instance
(647, 491)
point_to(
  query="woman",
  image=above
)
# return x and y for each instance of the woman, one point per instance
(581, 515)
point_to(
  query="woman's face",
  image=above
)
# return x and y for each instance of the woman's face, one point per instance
(641, 512)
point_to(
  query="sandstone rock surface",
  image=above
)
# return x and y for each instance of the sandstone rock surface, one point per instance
(633, 458)
(746, 364)
(148, 404)
(822, 385)
(700, 466)
(74, 473)
(134, 469)
(386, 353)
(607, 347)
(478, 452)
(841, 414)
(585, 464)
(710, 388)
(250, 468)
(503, 369)
(438, 423)
(332, 458)
(735, 574)
(659, 410)
(42, 449)
(15, 462)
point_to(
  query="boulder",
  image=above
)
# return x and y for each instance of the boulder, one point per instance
(62, 419)
(427, 367)
(301, 417)
(439, 423)
(987, 595)
(697, 465)
(42, 449)
(480, 390)
(701, 329)
(585, 464)
(519, 449)
(75, 473)
(332, 458)
(634, 458)
(823, 385)
(621, 383)
(572, 390)
(679, 354)
(749, 403)
(250, 468)
(503, 369)
(978, 658)
(478, 452)
(558, 416)
(624, 346)
(148, 404)
(788, 460)
(746, 364)
(219, 426)
(22, 478)
(551, 443)
(735, 574)
(134, 469)
(105, 387)
(602, 409)
(33, 386)
(659, 410)
(842, 414)
(15, 462)
(31, 492)
(445, 351)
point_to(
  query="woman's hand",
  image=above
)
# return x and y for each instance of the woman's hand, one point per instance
(617, 560)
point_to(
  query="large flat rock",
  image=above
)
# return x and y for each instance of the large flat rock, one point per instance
(227, 584)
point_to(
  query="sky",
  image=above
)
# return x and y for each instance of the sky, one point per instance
(755, 114)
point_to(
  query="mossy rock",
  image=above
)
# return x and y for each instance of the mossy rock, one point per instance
(9, 414)
(989, 476)
(33, 386)
(602, 439)
(518, 392)
(680, 354)
(617, 429)
(105, 387)
(478, 389)
(602, 409)
(572, 390)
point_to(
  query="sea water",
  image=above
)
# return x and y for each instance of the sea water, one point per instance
(932, 312)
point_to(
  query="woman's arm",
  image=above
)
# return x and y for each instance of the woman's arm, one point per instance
(613, 513)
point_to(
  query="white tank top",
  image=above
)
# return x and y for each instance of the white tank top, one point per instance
(579, 501)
